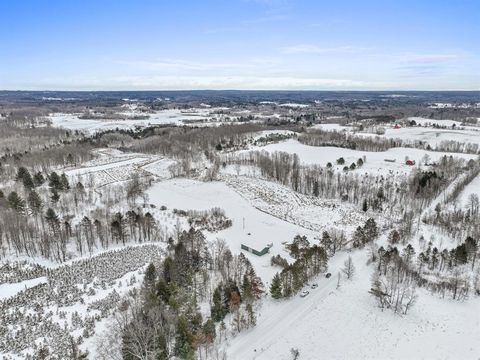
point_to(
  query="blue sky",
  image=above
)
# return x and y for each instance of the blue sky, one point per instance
(240, 44)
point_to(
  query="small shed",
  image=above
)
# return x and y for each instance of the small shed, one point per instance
(262, 252)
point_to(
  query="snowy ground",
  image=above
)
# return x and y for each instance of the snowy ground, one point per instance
(375, 161)
(282, 202)
(116, 166)
(432, 122)
(345, 323)
(331, 322)
(262, 212)
(426, 132)
(263, 228)
(163, 117)
(434, 136)
(472, 188)
(332, 127)
(11, 289)
(294, 105)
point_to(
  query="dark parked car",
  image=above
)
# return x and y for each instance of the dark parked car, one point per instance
(327, 275)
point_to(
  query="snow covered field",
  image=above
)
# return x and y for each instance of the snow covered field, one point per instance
(116, 166)
(287, 105)
(294, 105)
(472, 188)
(433, 136)
(163, 117)
(375, 161)
(431, 122)
(11, 289)
(426, 132)
(262, 227)
(332, 127)
(309, 212)
(345, 323)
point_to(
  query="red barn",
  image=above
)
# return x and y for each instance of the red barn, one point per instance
(410, 162)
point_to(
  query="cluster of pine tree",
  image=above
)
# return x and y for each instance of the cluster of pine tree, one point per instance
(434, 259)
(310, 260)
(365, 234)
(167, 317)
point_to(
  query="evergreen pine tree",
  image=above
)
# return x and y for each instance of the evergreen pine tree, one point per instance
(54, 181)
(16, 202)
(247, 293)
(150, 276)
(38, 179)
(28, 181)
(22, 171)
(365, 205)
(184, 339)
(55, 196)
(326, 240)
(217, 311)
(35, 202)
(209, 330)
(359, 237)
(52, 220)
(64, 185)
(371, 230)
(276, 287)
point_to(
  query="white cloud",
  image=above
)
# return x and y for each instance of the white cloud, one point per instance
(242, 25)
(240, 83)
(176, 64)
(237, 82)
(393, 71)
(430, 58)
(315, 49)
(196, 83)
(429, 65)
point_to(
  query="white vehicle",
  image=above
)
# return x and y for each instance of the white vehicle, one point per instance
(304, 293)
(314, 286)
